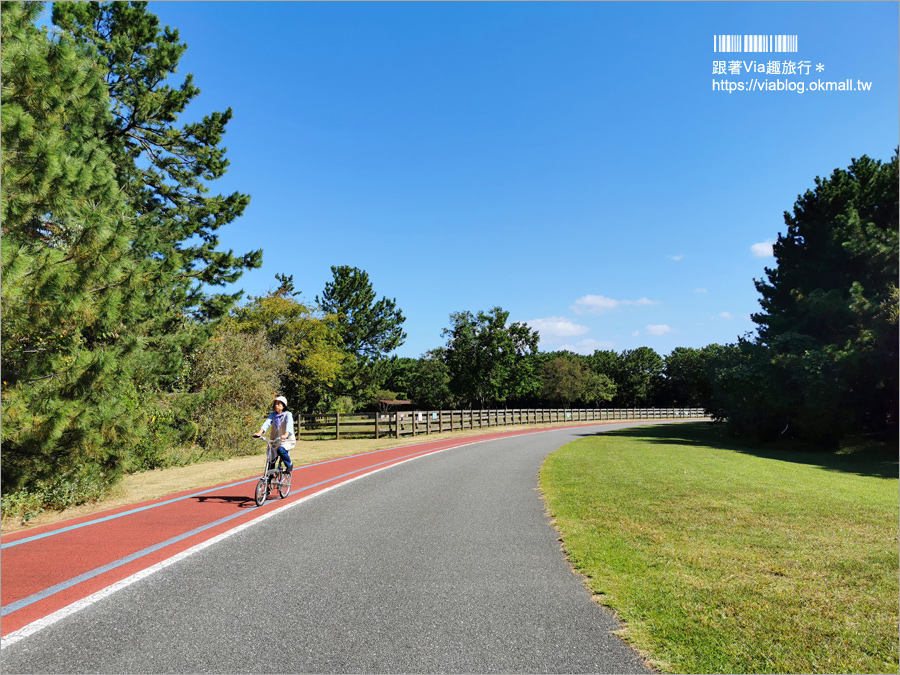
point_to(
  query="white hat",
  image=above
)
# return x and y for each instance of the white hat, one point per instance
(282, 399)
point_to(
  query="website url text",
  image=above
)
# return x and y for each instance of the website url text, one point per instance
(799, 87)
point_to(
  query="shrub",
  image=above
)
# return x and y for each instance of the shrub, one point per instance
(56, 493)
(233, 380)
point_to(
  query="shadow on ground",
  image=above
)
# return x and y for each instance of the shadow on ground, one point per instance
(877, 460)
(242, 501)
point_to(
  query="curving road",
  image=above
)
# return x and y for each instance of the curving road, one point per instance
(447, 564)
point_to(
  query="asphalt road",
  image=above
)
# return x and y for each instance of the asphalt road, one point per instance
(446, 564)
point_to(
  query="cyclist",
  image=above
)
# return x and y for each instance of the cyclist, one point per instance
(280, 423)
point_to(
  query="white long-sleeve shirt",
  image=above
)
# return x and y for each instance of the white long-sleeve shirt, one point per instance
(278, 430)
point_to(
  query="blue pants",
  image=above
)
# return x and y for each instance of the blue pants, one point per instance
(285, 457)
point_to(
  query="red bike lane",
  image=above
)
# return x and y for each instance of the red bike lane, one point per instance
(53, 567)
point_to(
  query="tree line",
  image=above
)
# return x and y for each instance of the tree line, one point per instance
(122, 352)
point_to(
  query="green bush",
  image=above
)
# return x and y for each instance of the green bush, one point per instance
(21, 504)
(56, 493)
(168, 426)
(233, 380)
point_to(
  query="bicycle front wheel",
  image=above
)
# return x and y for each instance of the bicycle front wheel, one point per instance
(262, 491)
(284, 485)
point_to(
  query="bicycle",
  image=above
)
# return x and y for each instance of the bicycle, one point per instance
(273, 478)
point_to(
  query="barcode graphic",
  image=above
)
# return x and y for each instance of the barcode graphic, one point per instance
(754, 43)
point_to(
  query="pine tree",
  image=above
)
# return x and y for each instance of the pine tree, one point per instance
(72, 291)
(163, 168)
(105, 286)
(370, 328)
(829, 319)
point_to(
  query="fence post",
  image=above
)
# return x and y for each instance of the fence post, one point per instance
(397, 423)
(337, 426)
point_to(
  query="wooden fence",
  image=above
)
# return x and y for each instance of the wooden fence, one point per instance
(424, 422)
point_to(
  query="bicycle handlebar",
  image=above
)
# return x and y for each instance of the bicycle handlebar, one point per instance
(269, 440)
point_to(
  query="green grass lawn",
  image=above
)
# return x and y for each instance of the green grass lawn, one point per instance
(722, 558)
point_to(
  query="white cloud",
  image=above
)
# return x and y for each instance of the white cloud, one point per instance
(699, 290)
(726, 315)
(635, 333)
(762, 249)
(676, 258)
(594, 304)
(660, 329)
(557, 326)
(597, 304)
(588, 346)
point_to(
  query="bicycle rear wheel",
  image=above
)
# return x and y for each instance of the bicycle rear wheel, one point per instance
(284, 485)
(262, 491)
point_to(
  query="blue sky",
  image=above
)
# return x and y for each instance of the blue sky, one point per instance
(569, 162)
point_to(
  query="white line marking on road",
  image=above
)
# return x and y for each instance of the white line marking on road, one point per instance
(78, 605)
